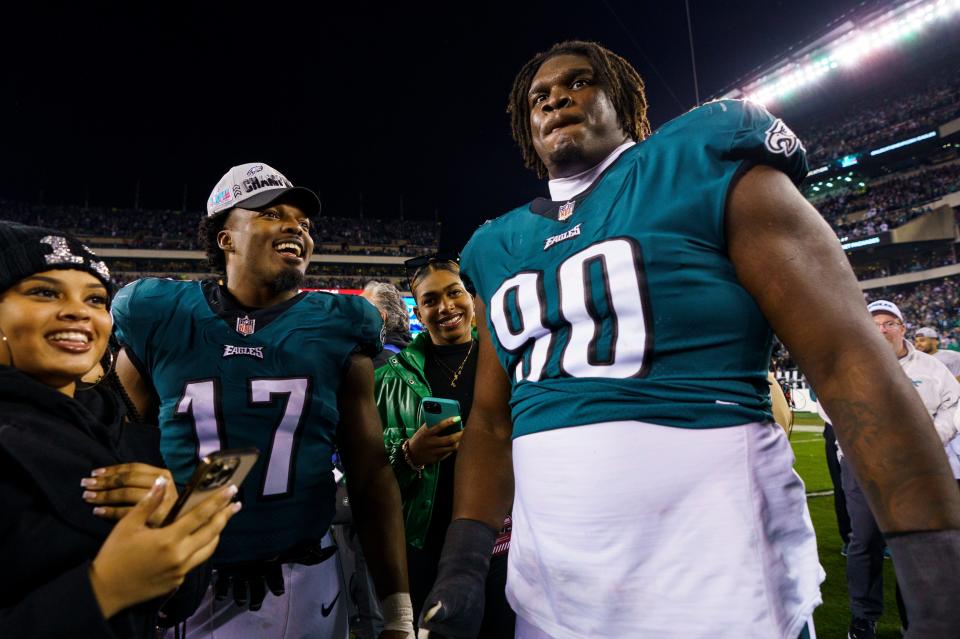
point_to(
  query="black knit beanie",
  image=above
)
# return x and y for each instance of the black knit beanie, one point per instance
(25, 250)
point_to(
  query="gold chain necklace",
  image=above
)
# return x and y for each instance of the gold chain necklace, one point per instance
(455, 373)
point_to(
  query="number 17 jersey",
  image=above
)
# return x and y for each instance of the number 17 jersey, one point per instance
(621, 304)
(265, 378)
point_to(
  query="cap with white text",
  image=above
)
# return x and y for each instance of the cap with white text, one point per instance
(257, 185)
(883, 306)
(926, 331)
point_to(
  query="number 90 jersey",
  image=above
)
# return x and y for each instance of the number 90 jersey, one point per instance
(622, 304)
(267, 379)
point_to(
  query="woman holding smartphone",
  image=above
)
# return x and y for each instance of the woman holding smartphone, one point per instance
(69, 569)
(440, 363)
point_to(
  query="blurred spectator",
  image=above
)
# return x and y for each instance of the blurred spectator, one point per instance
(396, 322)
(927, 340)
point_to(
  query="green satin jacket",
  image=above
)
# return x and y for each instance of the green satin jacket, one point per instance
(400, 385)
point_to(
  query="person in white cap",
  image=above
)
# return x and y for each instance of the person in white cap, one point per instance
(940, 393)
(251, 361)
(928, 340)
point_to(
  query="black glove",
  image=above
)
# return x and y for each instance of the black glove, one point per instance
(249, 582)
(454, 607)
(928, 570)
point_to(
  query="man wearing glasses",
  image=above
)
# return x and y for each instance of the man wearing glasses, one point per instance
(940, 393)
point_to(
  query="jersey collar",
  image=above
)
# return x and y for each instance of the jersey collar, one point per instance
(226, 307)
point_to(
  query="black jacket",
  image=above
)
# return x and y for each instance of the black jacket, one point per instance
(48, 533)
(398, 340)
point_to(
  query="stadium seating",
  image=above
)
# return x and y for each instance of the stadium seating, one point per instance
(917, 106)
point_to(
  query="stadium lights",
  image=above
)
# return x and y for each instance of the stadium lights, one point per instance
(859, 243)
(822, 169)
(902, 143)
(849, 49)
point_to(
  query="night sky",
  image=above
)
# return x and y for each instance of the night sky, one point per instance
(377, 107)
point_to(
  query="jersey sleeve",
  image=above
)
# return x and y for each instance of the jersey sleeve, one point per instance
(132, 324)
(762, 138)
(369, 327)
(471, 270)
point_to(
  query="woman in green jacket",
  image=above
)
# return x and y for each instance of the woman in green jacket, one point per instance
(440, 362)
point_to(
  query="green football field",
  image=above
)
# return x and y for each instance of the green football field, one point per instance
(833, 615)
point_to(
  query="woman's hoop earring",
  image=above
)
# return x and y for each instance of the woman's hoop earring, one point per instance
(107, 370)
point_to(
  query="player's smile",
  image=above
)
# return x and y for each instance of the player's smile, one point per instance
(282, 231)
(290, 249)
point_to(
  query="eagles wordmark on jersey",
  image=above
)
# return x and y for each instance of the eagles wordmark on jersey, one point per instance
(622, 304)
(228, 377)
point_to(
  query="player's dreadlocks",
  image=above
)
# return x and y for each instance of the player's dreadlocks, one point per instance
(621, 82)
(210, 227)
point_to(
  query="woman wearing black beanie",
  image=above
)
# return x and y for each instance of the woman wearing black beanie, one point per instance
(68, 572)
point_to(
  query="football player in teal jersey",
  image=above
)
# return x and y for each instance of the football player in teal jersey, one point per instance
(621, 405)
(254, 362)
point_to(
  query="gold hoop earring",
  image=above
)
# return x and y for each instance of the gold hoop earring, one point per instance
(106, 371)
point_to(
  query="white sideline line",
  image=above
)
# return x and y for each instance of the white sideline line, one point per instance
(820, 493)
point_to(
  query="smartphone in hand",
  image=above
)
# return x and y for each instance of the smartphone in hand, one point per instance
(434, 410)
(214, 471)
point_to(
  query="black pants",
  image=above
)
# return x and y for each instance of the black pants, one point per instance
(499, 620)
(865, 554)
(833, 465)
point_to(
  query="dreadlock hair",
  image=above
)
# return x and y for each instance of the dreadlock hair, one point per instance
(210, 227)
(621, 82)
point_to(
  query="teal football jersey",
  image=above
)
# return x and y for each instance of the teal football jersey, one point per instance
(267, 379)
(622, 304)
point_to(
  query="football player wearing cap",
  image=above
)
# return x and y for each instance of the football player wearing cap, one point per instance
(940, 393)
(928, 340)
(254, 362)
(621, 406)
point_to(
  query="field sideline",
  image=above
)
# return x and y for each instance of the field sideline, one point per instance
(832, 617)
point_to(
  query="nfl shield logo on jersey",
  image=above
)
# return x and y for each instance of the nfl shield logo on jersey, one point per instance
(245, 325)
(566, 210)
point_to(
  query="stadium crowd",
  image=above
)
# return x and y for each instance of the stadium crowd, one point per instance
(910, 109)
(876, 270)
(887, 203)
(933, 303)
(165, 229)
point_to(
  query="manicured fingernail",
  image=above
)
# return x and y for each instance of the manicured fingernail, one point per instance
(456, 420)
(99, 511)
(433, 611)
(89, 494)
(97, 472)
(230, 490)
(236, 506)
(158, 484)
(88, 482)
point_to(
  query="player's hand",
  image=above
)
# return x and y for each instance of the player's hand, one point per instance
(249, 582)
(454, 607)
(137, 563)
(114, 490)
(428, 446)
